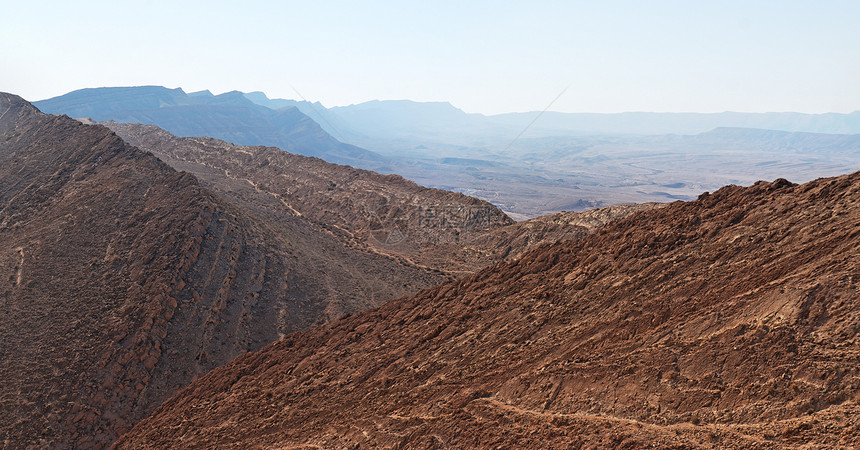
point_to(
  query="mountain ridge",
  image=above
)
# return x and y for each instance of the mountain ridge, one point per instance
(729, 321)
(529, 169)
(123, 279)
(385, 213)
(229, 116)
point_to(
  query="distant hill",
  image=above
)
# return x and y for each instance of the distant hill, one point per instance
(727, 322)
(229, 116)
(774, 140)
(687, 123)
(442, 122)
(382, 213)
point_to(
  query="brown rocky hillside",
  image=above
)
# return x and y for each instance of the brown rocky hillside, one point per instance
(122, 280)
(444, 231)
(383, 213)
(730, 321)
(441, 230)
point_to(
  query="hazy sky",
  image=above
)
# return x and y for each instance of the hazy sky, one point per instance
(482, 56)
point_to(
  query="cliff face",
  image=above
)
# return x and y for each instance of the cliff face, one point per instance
(122, 280)
(730, 321)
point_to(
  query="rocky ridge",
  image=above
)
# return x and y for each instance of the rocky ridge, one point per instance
(726, 322)
(445, 231)
(123, 280)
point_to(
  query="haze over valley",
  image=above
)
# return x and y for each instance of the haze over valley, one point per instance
(561, 162)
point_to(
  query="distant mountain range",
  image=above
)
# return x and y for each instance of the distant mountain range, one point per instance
(403, 119)
(229, 116)
(561, 162)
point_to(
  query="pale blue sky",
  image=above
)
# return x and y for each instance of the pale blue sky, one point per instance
(482, 56)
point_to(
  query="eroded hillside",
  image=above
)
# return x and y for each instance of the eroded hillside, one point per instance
(729, 321)
(122, 280)
(445, 231)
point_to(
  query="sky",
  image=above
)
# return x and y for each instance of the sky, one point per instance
(482, 56)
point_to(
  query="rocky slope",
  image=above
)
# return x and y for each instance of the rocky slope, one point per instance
(729, 321)
(442, 230)
(512, 241)
(122, 280)
(384, 213)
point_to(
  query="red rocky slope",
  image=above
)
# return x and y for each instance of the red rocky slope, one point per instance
(730, 321)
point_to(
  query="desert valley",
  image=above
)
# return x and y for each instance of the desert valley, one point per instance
(489, 225)
(168, 291)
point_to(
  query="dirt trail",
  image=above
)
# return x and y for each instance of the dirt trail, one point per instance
(20, 266)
